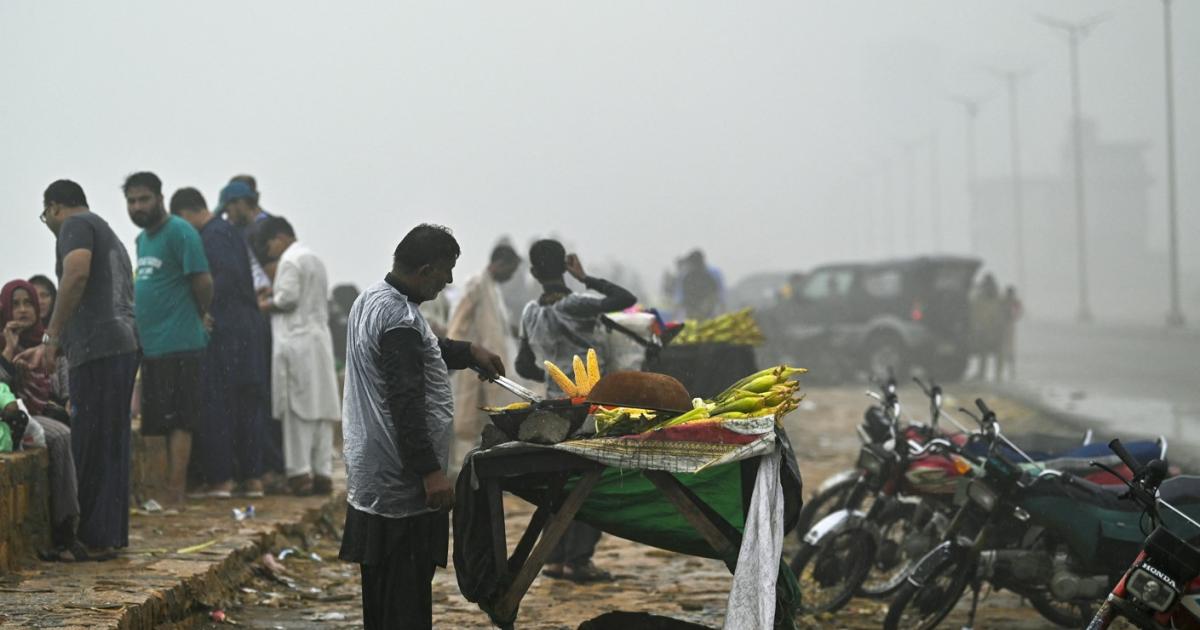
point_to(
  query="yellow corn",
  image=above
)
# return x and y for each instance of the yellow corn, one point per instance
(593, 366)
(583, 384)
(561, 380)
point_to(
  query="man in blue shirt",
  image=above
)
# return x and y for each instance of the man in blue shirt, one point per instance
(172, 294)
(232, 369)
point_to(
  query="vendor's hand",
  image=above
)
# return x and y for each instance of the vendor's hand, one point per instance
(575, 268)
(487, 361)
(439, 494)
(209, 323)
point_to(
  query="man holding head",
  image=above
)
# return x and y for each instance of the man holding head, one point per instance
(557, 326)
(398, 423)
(304, 388)
(232, 369)
(93, 324)
(173, 291)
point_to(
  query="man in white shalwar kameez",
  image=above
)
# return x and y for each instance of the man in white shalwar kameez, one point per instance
(304, 389)
(482, 319)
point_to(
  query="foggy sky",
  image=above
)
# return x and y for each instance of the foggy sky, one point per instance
(637, 130)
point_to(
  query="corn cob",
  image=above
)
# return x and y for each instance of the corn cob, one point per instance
(593, 366)
(564, 383)
(583, 384)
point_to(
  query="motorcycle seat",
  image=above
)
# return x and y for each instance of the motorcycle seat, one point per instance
(1181, 490)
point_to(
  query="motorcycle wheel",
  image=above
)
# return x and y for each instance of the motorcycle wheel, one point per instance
(821, 505)
(830, 573)
(1065, 614)
(924, 607)
(896, 556)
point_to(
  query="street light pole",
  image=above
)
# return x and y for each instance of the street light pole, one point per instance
(1011, 78)
(1175, 315)
(971, 108)
(910, 150)
(1076, 31)
(935, 193)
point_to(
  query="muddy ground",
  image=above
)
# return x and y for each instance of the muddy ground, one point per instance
(324, 594)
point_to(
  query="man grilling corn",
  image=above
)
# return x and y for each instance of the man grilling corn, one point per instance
(556, 327)
(398, 421)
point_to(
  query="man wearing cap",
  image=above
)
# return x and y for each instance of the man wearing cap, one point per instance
(239, 204)
(481, 318)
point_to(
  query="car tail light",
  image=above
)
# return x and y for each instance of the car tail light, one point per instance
(917, 313)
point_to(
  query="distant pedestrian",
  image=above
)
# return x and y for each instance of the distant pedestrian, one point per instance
(398, 417)
(173, 292)
(228, 443)
(987, 327)
(1013, 311)
(700, 292)
(93, 323)
(482, 319)
(304, 387)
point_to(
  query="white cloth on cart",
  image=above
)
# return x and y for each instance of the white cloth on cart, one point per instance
(752, 599)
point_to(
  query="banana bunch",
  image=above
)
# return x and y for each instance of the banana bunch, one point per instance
(614, 421)
(586, 376)
(769, 392)
(738, 328)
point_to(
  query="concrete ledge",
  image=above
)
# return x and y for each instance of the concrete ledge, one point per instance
(24, 507)
(176, 564)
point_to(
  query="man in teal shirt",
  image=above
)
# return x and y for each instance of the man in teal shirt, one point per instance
(172, 293)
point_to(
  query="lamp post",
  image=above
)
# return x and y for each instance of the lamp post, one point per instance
(935, 193)
(1011, 78)
(1075, 32)
(1175, 314)
(971, 108)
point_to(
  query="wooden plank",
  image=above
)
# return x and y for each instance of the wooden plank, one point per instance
(537, 523)
(701, 518)
(501, 464)
(499, 537)
(555, 528)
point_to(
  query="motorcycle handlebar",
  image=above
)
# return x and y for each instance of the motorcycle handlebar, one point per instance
(984, 409)
(1125, 456)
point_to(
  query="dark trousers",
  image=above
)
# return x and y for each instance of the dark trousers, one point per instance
(398, 593)
(229, 443)
(101, 391)
(576, 546)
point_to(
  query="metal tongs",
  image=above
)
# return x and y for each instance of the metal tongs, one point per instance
(512, 386)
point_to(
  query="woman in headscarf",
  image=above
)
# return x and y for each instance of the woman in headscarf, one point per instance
(21, 322)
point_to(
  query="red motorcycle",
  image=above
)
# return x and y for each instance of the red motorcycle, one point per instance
(1161, 589)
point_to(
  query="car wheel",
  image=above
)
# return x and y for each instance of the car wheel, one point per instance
(886, 354)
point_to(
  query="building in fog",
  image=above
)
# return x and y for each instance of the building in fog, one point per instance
(1127, 279)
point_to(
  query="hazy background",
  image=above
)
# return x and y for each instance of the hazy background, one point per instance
(636, 130)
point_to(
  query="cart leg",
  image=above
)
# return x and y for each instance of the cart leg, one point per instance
(499, 537)
(714, 529)
(555, 528)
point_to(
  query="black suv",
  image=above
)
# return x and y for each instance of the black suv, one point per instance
(851, 318)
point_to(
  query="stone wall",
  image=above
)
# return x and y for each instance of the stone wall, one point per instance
(24, 507)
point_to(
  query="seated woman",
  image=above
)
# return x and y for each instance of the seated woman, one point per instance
(47, 293)
(21, 322)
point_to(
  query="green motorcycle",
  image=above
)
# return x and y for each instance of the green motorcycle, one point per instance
(1054, 539)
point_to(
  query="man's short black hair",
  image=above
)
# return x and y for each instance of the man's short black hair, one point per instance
(187, 199)
(66, 193)
(505, 254)
(143, 179)
(426, 244)
(548, 259)
(272, 227)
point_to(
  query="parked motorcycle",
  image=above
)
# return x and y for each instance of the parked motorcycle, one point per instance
(1055, 539)
(1161, 589)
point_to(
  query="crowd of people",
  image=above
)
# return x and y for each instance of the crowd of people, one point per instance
(216, 333)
